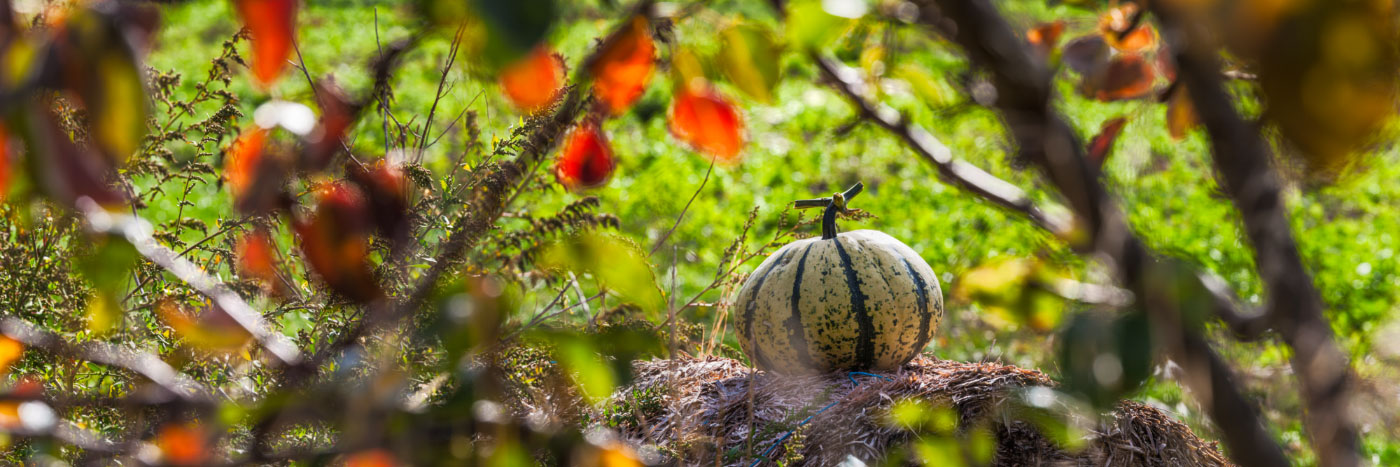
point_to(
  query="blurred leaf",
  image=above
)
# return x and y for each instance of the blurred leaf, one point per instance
(64, 170)
(808, 26)
(1181, 112)
(211, 329)
(939, 451)
(371, 458)
(1085, 54)
(1101, 146)
(1103, 358)
(589, 371)
(933, 91)
(335, 242)
(923, 417)
(256, 258)
(585, 160)
(1126, 76)
(708, 122)
(97, 63)
(494, 32)
(386, 193)
(1328, 76)
(1119, 22)
(1055, 415)
(272, 27)
(107, 268)
(254, 172)
(749, 57)
(535, 81)
(686, 70)
(1015, 291)
(337, 115)
(294, 117)
(616, 263)
(183, 444)
(624, 66)
(1045, 37)
(10, 352)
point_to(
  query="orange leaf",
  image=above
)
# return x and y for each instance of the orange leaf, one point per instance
(1102, 145)
(706, 120)
(1118, 29)
(212, 329)
(256, 258)
(10, 352)
(335, 242)
(272, 26)
(244, 156)
(585, 161)
(1045, 37)
(1181, 112)
(183, 444)
(1127, 76)
(535, 81)
(371, 458)
(623, 68)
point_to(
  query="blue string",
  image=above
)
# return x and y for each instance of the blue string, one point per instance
(850, 376)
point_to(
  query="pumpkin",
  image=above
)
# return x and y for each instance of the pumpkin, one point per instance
(846, 301)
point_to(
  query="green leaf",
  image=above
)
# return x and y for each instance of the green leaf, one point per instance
(589, 371)
(495, 32)
(616, 263)
(749, 58)
(107, 269)
(809, 27)
(932, 91)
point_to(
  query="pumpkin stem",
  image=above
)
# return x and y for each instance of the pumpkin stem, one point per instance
(834, 205)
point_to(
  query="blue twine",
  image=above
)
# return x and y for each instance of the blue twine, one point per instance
(850, 376)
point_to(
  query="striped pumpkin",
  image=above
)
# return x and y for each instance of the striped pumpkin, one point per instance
(857, 300)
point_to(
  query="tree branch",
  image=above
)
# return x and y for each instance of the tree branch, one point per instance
(1024, 96)
(145, 364)
(1244, 167)
(138, 232)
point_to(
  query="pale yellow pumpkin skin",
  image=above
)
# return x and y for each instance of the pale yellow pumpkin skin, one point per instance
(862, 301)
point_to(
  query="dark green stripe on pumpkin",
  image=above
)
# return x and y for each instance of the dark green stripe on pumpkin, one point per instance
(796, 339)
(924, 315)
(751, 307)
(865, 342)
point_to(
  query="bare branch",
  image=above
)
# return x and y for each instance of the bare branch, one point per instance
(144, 364)
(1024, 94)
(1244, 167)
(138, 232)
(952, 170)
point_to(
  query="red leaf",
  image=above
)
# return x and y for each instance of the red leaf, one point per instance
(709, 122)
(1127, 76)
(383, 185)
(338, 114)
(272, 26)
(335, 242)
(371, 458)
(10, 352)
(68, 172)
(1102, 145)
(254, 174)
(585, 161)
(183, 444)
(623, 68)
(535, 81)
(256, 258)
(1045, 37)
